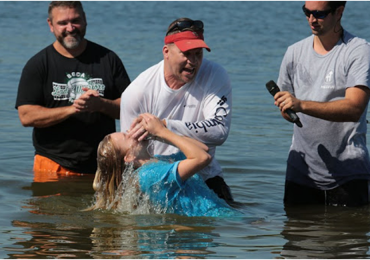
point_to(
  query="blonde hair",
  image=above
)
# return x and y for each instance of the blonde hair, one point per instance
(108, 176)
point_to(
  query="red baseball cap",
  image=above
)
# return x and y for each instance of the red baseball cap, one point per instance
(187, 40)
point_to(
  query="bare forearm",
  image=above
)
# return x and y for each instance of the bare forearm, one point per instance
(196, 155)
(346, 109)
(336, 111)
(38, 116)
(189, 148)
(111, 107)
(197, 143)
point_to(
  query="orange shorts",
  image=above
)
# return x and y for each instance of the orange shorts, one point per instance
(47, 170)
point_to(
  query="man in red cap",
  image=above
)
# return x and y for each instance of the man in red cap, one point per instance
(191, 94)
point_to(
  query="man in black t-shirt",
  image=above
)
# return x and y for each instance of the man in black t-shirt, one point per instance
(70, 93)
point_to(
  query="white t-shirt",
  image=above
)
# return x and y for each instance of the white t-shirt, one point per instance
(200, 109)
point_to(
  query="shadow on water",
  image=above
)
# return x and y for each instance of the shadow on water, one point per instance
(326, 232)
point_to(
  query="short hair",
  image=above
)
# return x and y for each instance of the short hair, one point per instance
(192, 28)
(335, 4)
(69, 4)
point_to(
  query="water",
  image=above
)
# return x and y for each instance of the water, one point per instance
(44, 220)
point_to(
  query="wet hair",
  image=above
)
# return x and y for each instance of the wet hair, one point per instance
(192, 28)
(69, 4)
(108, 175)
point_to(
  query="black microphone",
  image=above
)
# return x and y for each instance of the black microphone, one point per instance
(273, 89)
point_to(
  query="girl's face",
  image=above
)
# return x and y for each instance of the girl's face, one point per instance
(122, 143)
(126, 145)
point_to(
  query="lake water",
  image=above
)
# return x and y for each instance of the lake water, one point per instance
(44, 219)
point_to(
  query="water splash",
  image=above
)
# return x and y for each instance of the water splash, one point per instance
(127, 199)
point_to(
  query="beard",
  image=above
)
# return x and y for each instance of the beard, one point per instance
(71, 40)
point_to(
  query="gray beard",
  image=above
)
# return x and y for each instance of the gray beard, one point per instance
(71, 44)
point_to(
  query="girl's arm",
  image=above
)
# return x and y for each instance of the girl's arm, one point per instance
(196, 152)
(197, 143)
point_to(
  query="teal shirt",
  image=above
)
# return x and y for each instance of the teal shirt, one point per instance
(168, 193)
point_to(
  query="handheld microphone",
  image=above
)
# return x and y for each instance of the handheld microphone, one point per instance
(273, 89)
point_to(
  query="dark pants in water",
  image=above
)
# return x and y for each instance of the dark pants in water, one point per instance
(353, 193)
(218, 185)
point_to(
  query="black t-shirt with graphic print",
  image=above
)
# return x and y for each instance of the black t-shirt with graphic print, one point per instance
(52, 80)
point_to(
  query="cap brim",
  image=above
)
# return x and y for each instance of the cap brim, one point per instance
(190, 44)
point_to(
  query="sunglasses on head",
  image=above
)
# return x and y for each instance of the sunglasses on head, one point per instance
(185, 25)
(316, 14)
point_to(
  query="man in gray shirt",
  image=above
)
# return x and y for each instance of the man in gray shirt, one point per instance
(325, 78)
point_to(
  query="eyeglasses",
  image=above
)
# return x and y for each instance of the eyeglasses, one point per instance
(185, 25)
(317, 14)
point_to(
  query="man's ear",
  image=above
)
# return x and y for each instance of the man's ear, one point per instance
(50, 23)
(165, 51)
(340, 11)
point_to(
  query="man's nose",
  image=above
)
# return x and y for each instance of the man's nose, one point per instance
(312, 18)
(70, 27)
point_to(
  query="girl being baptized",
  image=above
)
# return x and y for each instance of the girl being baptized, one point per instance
(128, 178)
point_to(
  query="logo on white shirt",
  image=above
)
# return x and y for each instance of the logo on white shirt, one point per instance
(220, 114)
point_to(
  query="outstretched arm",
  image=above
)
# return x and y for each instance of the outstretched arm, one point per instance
(196, 153)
